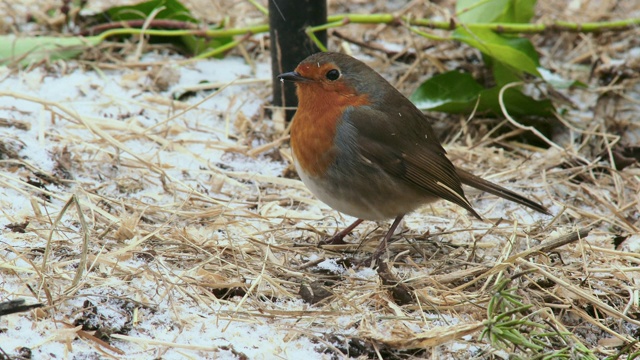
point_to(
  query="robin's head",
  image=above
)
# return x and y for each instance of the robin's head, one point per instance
(336, 73)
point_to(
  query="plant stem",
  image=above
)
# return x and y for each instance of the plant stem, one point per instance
(220, 49)
(616, 25)
(213, 33)
(345, 19)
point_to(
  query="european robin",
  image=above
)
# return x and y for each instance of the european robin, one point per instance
(365, 150)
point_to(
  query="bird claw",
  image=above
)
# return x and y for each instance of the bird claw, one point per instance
(337, 239)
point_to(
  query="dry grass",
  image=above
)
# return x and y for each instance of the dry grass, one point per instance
(239, 246)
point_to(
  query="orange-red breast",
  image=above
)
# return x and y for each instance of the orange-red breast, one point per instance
(364, 149)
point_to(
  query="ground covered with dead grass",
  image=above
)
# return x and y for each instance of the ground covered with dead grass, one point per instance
(152, 218)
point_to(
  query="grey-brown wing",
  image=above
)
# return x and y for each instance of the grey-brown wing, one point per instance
(407, 149)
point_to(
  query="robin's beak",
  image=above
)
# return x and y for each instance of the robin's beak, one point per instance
(292, 76)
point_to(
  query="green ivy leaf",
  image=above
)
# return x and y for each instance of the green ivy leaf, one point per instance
(479, 11)
(516, 103)
(457, 93)
(170, 10)
(517, 11)
(502, 74)
(451, 92)
(509, 57)
(489, 11)
(517, 53)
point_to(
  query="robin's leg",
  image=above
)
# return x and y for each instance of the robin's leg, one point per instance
(387, 240)
(337, 239)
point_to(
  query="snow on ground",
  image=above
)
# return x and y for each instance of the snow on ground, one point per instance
(109, 123)
(119, 96)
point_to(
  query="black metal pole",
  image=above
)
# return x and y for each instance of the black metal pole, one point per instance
(288, 20)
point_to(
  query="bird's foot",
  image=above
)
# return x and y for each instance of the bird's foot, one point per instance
(338, 238)
(382, 247)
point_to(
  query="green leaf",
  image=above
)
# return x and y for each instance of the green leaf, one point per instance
(516, 103)
(451, 92)
(172, 9)
(479, 11)
(457, 93)
(169, 10)
(25, 51)
(518, 53)
(489, 11)
(517, 11)
(502, 74)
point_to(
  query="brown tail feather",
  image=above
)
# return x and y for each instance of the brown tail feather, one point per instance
(479, 183)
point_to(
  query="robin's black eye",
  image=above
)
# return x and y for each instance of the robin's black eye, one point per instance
(332, 74)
